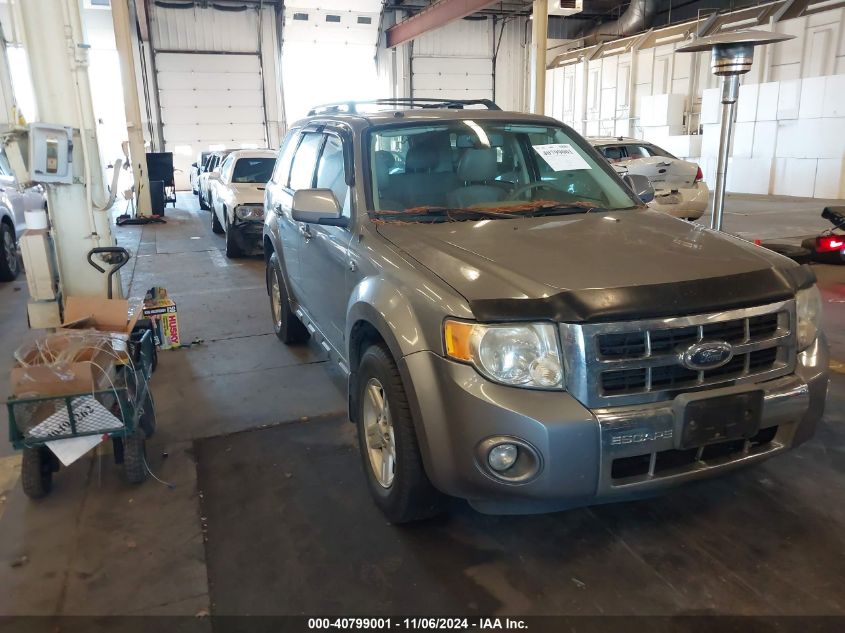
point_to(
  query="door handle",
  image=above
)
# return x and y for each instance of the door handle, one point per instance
(305, 231)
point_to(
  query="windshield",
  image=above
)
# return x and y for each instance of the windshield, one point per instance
(253, 170)
(475, 169)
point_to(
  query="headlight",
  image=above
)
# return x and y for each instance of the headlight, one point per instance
(517, 354)
(249, 212)
(809, 312)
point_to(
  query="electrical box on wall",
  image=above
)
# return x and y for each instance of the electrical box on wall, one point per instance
(50, 153)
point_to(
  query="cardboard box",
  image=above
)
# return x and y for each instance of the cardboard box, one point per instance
(161, 309)
(112, 316)
(44, 374)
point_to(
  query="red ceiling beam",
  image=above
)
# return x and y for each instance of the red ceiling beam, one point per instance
(433, 17)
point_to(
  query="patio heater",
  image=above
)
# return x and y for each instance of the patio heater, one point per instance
(731, 55)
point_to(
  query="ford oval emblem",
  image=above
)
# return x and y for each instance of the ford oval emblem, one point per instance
(707, 355)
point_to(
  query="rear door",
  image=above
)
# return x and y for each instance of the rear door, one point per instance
(324, 250)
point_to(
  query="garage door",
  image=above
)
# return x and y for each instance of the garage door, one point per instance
(211, 92)
(453, 77)
(211, 99)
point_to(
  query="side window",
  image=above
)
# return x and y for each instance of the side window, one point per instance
(282, 169)
(226, 169)
(304, 162)
(331, 172)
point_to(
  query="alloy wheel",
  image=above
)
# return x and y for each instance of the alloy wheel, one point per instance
(379, 434)
(10, 250)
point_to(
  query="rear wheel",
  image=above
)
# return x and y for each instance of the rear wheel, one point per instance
(9, 265)
(288, 328)
(388, 442)
(36, 472)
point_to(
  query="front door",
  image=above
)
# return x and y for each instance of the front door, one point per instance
(324, 250)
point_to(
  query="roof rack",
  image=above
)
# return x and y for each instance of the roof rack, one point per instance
(351, 107)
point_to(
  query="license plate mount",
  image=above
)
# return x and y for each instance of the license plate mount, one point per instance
(721, 419)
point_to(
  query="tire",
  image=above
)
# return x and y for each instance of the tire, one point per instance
(134, 458)
(36, 472)
(147, 421)
(287, 327)
(9, 262)
(203, 205)
(216, 227)
(233, 251)
(407, 495)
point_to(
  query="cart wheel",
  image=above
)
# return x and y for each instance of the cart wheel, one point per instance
(134, 458)
(36, 473)
(147, 422)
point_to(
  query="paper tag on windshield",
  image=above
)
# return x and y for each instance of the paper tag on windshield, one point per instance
(562, 157)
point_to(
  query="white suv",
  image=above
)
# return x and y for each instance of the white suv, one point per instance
(236, 198)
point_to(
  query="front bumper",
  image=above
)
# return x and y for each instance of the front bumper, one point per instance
(689, 203)
(248, 235)
(455, 410)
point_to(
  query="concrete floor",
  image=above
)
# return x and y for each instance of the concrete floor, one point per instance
(97, 546)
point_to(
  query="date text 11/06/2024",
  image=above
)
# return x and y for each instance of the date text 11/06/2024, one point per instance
(360, 624)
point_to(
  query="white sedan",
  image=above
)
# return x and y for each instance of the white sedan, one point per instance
(679, 188)
(236, 198)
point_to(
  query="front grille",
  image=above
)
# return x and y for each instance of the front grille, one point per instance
(640, 361)
(672, 461)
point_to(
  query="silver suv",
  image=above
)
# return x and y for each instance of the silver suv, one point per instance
(517, 328)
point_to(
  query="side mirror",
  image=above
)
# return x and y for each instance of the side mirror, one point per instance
(317, 206)
(214, 175)
(641, 186)
(194, 165)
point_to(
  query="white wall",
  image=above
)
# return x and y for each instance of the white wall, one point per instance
(790, 123)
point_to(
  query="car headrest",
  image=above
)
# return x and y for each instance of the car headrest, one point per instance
(477, 165)
(421, 157)
(384, 162)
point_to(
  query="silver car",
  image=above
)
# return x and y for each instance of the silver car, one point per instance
(679, 187)
(13, 203)
(518, 329)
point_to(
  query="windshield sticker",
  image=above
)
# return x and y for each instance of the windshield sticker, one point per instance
(561, 157)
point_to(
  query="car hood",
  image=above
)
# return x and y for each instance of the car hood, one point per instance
(248, 193)
(535, 258)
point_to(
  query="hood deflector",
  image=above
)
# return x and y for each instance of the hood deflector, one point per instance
(696, 296)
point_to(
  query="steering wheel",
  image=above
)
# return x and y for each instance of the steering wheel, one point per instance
(519, 191)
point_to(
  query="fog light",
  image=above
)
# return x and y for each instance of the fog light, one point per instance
(502, 457)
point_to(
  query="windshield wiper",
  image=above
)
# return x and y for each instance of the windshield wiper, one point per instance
(442, 214)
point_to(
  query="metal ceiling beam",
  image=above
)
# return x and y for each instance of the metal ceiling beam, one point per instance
(437, 15)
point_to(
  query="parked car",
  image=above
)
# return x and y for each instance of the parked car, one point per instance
(236, 197)
(517, 328)
(212, 164)
(196, 170)
(679, 188)
(13, 204)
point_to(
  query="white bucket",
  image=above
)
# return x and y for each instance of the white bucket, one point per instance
(35, 219)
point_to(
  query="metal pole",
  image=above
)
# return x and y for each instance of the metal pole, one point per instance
(539, 36)
(730, 92)
(132, 105)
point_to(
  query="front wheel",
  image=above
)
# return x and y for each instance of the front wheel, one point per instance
(287, 327)
(216, 227)
(233, 250)
(203, 205)
(388, 442)
(36, 472)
